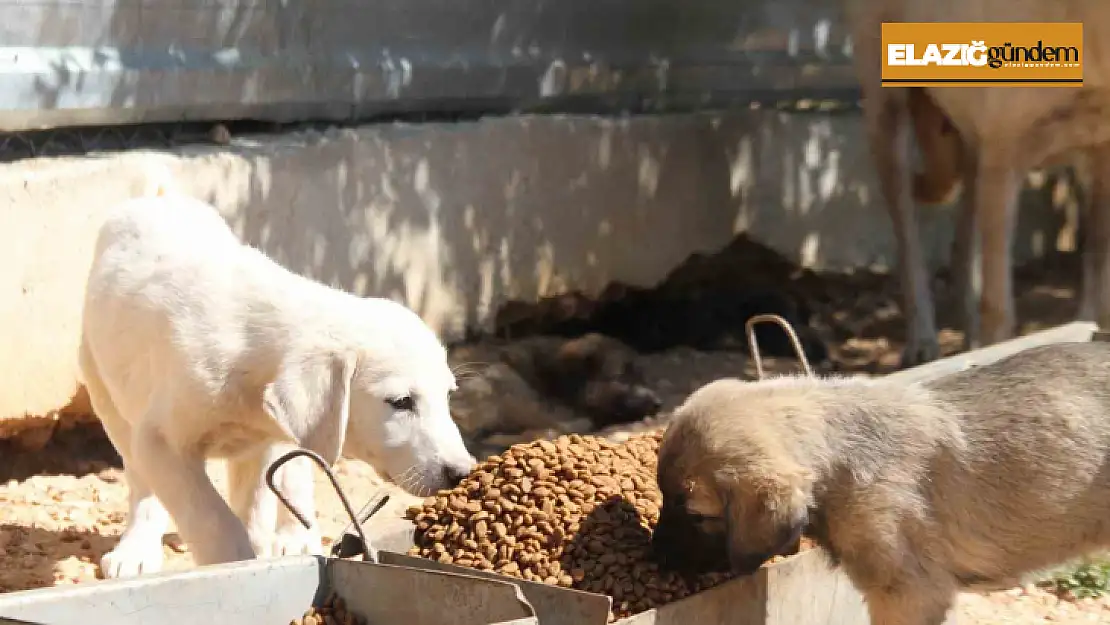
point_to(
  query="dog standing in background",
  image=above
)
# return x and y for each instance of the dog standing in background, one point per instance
(917, 491)
(995, 136)
(196, 346)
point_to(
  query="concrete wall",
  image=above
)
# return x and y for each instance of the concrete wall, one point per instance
(102, 62)
(454, 220)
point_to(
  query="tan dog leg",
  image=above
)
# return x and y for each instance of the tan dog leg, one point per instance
(1088, 299)
(966, 259)
(950, 165)
(996, 192)
(941, 150)
(1095, 303)
(888, 134)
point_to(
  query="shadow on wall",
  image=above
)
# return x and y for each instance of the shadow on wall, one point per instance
(126, 37)
(456, 220)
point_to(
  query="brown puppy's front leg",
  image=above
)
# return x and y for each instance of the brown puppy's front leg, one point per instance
(888, 133)
(908, 605)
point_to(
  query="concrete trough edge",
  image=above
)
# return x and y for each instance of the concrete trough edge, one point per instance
(1076, 331)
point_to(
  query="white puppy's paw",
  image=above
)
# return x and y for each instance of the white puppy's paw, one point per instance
(131, 558)
(290, 541)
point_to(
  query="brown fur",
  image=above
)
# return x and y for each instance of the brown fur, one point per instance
(941, 149)
(917, 491)
(1000, 133)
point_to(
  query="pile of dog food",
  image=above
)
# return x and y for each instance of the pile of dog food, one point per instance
(575, 512)
(332, 612)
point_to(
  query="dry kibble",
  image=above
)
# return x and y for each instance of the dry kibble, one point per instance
(576, 512)
(332, 612)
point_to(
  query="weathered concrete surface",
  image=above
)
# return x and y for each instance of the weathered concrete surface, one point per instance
(65, 63)
(454, 220)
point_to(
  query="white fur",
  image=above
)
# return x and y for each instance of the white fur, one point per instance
(196, 346)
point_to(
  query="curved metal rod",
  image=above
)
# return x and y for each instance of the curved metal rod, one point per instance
(785, 325)
(371, 508)
(368, 551)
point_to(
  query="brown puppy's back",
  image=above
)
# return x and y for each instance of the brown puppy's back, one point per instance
(1037, 465)
(987, 474)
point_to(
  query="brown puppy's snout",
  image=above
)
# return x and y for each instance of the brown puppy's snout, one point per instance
(664, 544)
(680, 544)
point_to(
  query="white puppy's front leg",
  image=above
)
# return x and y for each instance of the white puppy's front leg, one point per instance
(213, 532)
(274, 531)
(140, 546)
(295, 480)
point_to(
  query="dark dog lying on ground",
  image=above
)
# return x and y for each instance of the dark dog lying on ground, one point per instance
(544, 382)
(705, 317)
(916, 491)
(703, 303)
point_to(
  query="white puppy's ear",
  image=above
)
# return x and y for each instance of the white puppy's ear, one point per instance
(311, 400)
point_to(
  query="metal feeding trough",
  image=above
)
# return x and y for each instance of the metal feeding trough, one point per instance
(274, 592)
(801, 590)
(390, 588)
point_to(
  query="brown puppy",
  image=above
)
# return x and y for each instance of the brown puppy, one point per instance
(917, 491)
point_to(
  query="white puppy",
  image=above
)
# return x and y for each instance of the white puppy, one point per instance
(196, 346)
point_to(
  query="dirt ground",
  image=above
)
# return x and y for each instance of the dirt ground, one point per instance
(61, 508)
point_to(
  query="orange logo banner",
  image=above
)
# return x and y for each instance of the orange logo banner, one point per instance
(985, 54)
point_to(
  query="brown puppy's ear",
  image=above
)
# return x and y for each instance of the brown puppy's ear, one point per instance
(764, 516)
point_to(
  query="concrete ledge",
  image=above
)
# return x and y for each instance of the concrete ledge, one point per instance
(1074, 332)
(65, 63)
(454, 220)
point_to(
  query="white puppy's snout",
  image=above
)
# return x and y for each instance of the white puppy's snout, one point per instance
(453, 474)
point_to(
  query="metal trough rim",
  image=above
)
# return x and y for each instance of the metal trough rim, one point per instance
(388, 542)
(328, 574)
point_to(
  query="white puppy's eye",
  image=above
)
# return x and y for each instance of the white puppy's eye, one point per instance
(405, 403)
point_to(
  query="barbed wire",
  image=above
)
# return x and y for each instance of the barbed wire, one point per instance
(79, 140)
(15, 146)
